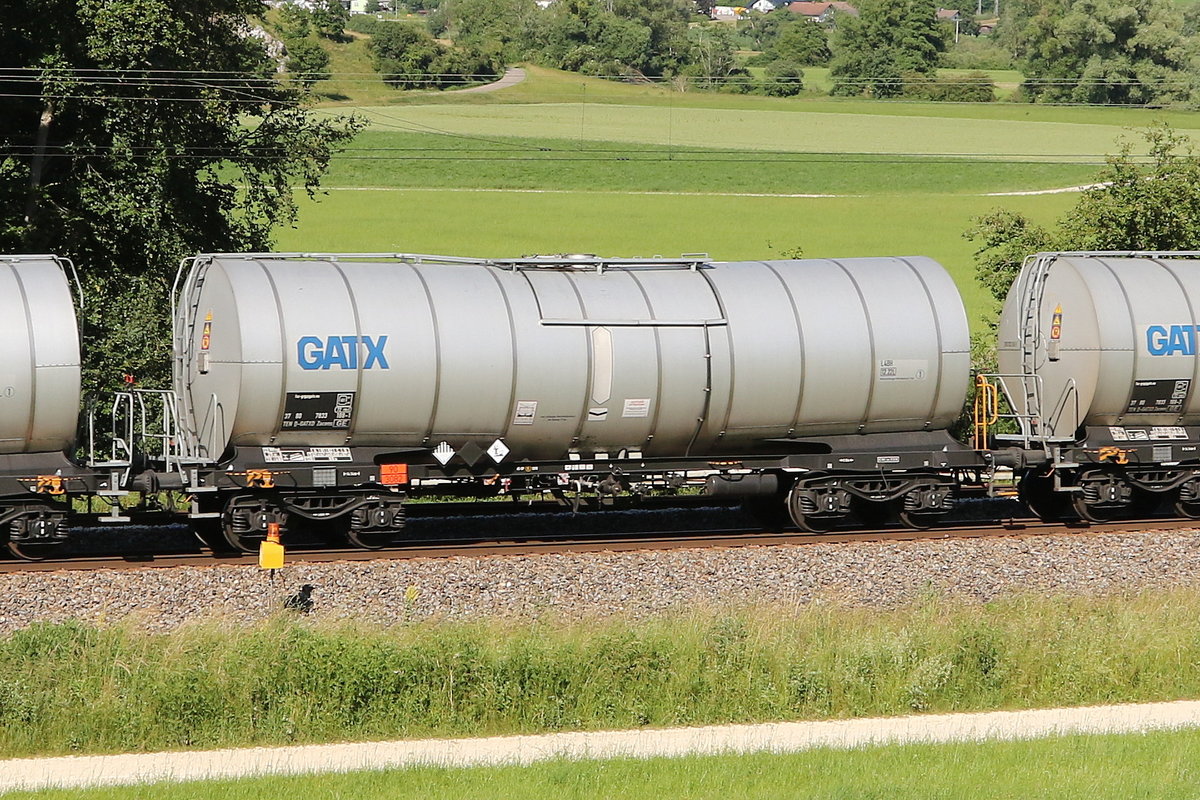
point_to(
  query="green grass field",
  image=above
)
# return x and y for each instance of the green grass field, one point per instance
(1156, 766)
(564, 163)
(74, 688)
(481, 222)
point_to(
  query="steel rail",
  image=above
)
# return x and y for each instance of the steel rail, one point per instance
(625, 542)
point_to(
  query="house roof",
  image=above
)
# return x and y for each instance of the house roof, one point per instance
(947, 13)
(811, 9)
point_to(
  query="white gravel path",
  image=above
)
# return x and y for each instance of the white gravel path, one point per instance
(786, 737)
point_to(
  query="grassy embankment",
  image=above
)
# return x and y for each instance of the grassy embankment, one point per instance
(562, 163)
(1157, 766)
(71, 688)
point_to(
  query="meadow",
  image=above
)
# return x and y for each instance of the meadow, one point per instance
(74, 688)
(1159, 765)
(562, 163)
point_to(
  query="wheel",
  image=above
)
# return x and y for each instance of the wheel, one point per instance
(211, 535)
(35, 533)
(1189, 509)
(32, 551)
(1093, 513)
(920, 520)
(373, 528)
(822, 516)
(1037, 493)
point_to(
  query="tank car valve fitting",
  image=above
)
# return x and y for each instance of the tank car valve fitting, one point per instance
(270, 552)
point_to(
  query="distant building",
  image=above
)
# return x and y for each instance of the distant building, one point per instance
(821, 12)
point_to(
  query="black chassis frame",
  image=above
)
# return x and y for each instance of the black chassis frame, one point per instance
(866, 457)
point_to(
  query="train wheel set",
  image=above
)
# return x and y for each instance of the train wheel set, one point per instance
(320, 394)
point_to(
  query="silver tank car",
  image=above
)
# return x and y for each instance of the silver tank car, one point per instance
(563, 355)
(1103, 339)
(39, 356)
(1099, 359)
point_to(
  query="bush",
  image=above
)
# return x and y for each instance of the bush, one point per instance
(783, 79)
(971, 52)
(974, 87)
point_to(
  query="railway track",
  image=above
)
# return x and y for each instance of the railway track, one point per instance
(623, 542)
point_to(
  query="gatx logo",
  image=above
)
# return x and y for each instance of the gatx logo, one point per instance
(342, 352)
(1171, 340)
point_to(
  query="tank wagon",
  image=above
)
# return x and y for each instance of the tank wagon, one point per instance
(1098, 360)
(39, 404)
(333, 388)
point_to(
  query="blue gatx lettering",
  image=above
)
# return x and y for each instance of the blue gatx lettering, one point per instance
(342, 352)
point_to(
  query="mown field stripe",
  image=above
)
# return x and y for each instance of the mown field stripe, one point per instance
(784, 737)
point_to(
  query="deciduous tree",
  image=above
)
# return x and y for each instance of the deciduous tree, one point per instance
(137, 132)
(888, 38)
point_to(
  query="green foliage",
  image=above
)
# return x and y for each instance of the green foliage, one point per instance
(330, 18)
(974, 87)
(803, 42)
(783, 79)
(1101, 51)
(1134, 204)
(713, 64)
(613, 37)
(307, 61)
(504, 25)
(75, 688)
(888, 38)
(148, 160)
(971, 52)
(409, 58)
(1138, 204)
(1005, 238)
(294, 21)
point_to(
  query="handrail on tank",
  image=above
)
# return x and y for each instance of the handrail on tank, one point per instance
(1117, 254)
(1069, 391)
(690, 261)
(65, 264)
(1032, 424)
(120, 431)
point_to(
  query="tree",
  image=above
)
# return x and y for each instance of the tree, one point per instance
(410, 58)
(330, 19)
(783, 79)
(372, 7)
(307, 61)
(803, 42)
(1101, 51)
(888, 38)
(1135, 204)
(602, 36)
(403, 54)
(137, 133)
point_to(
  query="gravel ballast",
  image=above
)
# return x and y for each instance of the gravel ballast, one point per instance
(636, 584)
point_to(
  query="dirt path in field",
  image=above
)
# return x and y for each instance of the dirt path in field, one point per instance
(785, 737)
(512, 76)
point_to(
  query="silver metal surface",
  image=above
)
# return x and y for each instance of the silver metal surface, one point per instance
(39, 356)
(1123, 351)
(570, 354)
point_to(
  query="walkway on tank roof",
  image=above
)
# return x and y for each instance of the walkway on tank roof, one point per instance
(783, 737)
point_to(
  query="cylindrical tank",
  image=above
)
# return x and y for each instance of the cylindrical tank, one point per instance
(39, 356)
(1107, 339)
(554, 355)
